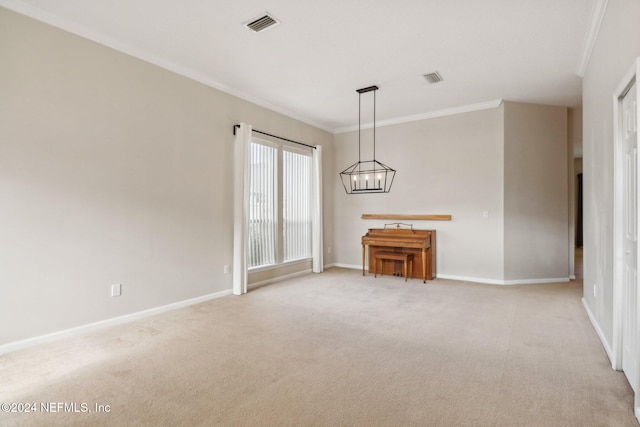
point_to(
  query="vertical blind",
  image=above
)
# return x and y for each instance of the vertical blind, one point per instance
(266, 245)
(296, 205)
(262, 206)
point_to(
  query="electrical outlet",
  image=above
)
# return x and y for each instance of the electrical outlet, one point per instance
(329, 250)
(594, 290)
(485, 214)
(116, 290)
(227, 269)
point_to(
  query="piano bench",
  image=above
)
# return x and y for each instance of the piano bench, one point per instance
(406, 258)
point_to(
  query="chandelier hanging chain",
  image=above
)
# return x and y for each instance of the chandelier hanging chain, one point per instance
(360, 126)
(374, 124)
(359, 121)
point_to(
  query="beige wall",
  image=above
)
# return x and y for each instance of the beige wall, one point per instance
(113, 170)
(616, 48)
(510, 162)
(447, 165)
(536, 197)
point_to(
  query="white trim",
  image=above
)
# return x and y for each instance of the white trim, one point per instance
(618, 248)
(351, 266)
(423, 116)
(537, 281)
(595, 21)
(470, 279)
(476, 279)
(601, 335)
(279, 278)
(503, 282)
(79, 330)
(87, 33)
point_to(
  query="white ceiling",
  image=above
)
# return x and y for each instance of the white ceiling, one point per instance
(310, 65)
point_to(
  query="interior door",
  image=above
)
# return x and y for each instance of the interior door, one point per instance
(630, 216)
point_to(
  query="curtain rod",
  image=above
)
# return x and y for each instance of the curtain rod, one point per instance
(274, 136)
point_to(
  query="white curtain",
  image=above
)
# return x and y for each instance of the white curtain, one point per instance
(316, 215)
(241, 170)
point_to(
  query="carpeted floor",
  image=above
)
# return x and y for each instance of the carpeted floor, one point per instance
(336, 349)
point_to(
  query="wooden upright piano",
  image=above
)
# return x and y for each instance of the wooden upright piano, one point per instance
(422, 243)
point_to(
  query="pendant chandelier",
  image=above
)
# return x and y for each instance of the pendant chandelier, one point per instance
(369, 176)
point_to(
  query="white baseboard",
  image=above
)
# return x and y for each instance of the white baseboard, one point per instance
(470, 279)
(67, 333)
(536, 281)
(596, 326)
(476, 279)
(351, 266)
(502, 282)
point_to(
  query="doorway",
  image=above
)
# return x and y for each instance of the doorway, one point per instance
(625, 291)
(629, 148)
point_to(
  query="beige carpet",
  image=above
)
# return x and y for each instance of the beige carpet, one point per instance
(337, 349)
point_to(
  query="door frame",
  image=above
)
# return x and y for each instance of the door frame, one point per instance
(618, 250)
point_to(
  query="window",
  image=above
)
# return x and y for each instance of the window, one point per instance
(296, 205)
(262, 206)
(279, 204)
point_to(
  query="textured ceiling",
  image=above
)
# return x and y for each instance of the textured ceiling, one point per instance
(310, 65)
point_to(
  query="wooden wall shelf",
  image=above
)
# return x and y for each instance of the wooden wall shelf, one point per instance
(408, 217)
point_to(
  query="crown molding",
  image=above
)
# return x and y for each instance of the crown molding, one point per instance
(595, 21)
(430, 115)
(87, 33)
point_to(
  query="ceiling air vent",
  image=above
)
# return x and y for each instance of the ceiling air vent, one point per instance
(262, 23)
(433, 77)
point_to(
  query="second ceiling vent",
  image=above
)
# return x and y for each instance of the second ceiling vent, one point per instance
(262, 23)
(432, 78)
